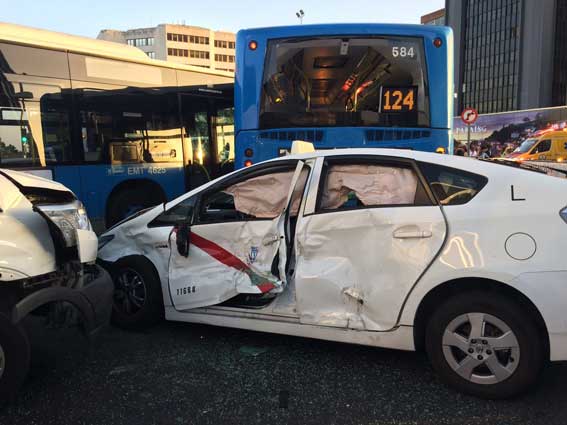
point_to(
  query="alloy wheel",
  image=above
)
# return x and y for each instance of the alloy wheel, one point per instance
(129, 291)
(481, 348)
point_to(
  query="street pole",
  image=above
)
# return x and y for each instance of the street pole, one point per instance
(468, 139)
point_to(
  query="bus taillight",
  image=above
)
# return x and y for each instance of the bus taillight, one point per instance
(248, 152)
(437, 42)
(253, 45)
(247, 163)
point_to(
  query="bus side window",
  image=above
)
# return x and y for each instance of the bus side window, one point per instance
(196, 140)
(130, 126)
(34, 121)
(223, 127)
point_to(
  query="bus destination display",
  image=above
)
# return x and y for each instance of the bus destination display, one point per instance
(398, 99)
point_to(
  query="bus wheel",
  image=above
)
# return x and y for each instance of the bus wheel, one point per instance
(131, 199)
(14, 357)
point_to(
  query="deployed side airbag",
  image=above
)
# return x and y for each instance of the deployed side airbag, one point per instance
(262, 196)
(371, 184)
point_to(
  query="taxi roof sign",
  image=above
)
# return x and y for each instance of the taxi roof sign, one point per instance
(301, 146)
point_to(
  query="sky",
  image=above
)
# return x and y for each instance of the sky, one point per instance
(87, 18)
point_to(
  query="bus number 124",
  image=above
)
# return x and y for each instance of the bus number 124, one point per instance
(398, 99)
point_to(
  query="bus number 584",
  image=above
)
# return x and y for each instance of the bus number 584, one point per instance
(402, 52)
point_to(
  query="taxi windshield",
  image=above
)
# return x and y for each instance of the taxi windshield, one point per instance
(526, 145)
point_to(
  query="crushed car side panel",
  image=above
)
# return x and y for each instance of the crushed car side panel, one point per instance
(47, 252)
(242, 256)
(367, 234)
(353, 272)
(225, 259)
(26, 246)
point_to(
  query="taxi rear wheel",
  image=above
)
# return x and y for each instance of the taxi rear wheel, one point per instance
(138, 300)
(485, 345)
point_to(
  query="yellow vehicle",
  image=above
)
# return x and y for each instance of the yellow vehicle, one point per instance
(549, 146)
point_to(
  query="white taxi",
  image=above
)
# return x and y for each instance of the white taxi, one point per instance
(381, 247)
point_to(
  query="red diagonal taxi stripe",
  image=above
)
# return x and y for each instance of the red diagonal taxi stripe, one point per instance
(218, 252)
(228, 259)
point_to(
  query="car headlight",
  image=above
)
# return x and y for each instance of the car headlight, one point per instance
(69, 218)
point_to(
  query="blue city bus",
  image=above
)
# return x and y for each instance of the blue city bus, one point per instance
(342, 85)
(122, 131)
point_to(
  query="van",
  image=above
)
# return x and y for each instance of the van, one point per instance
(47, 267)
(549, 146)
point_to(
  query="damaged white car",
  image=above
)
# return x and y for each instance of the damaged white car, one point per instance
(387, 248)
(47, 266)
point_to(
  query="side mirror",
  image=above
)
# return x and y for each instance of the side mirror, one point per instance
(183, 239)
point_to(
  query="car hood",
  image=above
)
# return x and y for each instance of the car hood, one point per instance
(514, 155)
(29, 180)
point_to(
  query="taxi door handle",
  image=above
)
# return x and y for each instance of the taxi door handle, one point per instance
(270, 239)
(412, 234)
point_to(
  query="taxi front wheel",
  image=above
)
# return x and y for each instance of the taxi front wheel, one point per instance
(138, 300)
(485, 345)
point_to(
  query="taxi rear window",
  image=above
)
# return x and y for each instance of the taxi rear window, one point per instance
(452, 186)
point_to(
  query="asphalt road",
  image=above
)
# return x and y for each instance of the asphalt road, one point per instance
(184, 373)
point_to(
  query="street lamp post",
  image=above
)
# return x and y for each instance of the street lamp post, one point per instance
(300, 15)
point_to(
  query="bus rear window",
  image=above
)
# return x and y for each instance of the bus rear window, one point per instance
(347, 81)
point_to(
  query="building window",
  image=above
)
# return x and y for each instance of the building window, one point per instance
(224, 58)
(151, 55)
(180, 38)
(177, 52)
(199, 54)
(197, 39)
(224, 44)
(139, 42)
(492, 40)
(559, 84)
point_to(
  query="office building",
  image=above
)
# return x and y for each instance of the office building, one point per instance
(434, 18)
(180, 43)
(509, 54)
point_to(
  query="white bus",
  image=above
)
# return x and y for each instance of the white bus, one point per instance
(121, 130)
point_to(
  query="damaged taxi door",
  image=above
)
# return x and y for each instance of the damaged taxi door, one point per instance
(363, 241)
(236, 242)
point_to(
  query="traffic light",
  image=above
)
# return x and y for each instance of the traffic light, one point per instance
(24, 135)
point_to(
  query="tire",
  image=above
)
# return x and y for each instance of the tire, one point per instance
(128, 201)
(138, 300)
(509, 366)
(14, 358)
